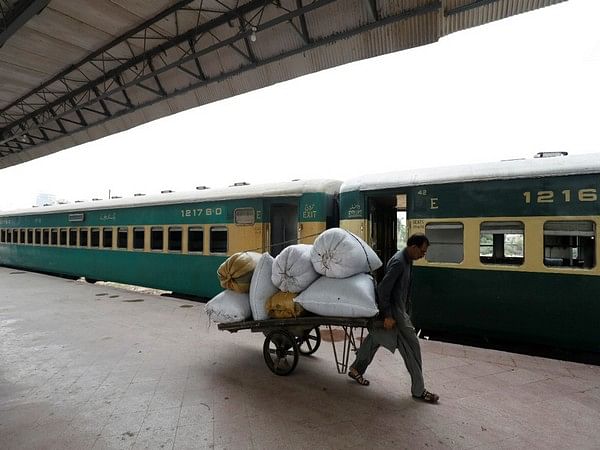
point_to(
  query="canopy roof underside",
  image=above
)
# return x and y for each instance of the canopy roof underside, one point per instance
(72, 72)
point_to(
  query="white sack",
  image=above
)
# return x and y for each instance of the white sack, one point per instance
(337, 253)
(293, 270)
(347, 297)
(228, 306)
(261, 287)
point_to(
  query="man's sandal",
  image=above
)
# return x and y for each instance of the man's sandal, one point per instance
(358, 377)
(428, 397)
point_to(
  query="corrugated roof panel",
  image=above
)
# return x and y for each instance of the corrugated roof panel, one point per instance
(458, 17)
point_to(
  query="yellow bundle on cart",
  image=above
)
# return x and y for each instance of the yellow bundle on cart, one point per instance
(236, 272)
(282, 306)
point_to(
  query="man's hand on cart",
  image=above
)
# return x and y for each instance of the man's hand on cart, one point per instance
(389, 323)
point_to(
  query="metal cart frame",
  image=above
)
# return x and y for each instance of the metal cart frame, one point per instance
(287, 339)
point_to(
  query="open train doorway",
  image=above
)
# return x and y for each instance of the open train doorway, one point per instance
(284, 226)
(388, 226)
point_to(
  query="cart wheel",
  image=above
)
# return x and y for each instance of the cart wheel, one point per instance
(280, 351)
(309, 342)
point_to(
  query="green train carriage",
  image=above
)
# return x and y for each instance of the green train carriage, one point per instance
(514, 245)
(173, 241)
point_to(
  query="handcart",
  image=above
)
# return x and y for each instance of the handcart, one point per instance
(287, 339)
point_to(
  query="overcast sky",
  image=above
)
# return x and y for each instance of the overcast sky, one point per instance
(504, 90)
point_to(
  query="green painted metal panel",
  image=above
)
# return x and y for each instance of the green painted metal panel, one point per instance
(313, 207)
(353, 205)
(542, 308)
(186, 274)
(564, 195)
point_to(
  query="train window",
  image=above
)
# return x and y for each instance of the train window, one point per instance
(95, 237)
(501, 242)
(446, 242)
(570, 244)
(107, 237)
(22, 236)
(37, 236)
(53, 236)
(2, 235)
(45, 236)
(156, 238)
(122, 233)
(138, 238)
(244, 216)
(83, 237)
(72, 237)
(29, 236)
(195, 239)
(8, 236)
(175, 239)
(218, 239)
(63, 236)
(15, 236)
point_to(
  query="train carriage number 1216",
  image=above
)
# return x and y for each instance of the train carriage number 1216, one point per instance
(582, 195)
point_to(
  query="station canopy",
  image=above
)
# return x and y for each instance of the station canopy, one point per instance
(75, 71)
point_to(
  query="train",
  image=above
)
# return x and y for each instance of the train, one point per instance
(513, 252)
(171, 241)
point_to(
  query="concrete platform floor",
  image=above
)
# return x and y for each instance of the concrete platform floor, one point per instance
(96, 367)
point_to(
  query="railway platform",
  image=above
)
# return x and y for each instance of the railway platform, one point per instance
(99, 367)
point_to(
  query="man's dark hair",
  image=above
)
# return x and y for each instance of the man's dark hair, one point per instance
(417, 239)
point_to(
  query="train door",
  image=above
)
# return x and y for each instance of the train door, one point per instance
(284, 226)
(387, 219)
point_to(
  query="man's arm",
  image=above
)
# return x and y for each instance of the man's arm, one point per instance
(386, 286)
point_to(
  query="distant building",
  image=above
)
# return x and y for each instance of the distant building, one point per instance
(45, 199)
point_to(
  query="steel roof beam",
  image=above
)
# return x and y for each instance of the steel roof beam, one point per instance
(14, 18)
(90, 92)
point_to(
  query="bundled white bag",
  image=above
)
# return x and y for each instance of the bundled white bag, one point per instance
(228, 306)
(337, 253)
(261, 287)
(293, 270)
(348, 297)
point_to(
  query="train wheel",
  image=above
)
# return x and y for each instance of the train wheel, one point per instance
(89, 280)
(280, 351)
(310, 341)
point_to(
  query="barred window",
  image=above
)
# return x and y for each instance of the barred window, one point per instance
(218, 239)
(156, 238)
(175, 235)
(122, 233)
(570, 244)
(446, 242)
(83, 237)
(244, 216)
(138, 238)
(501, 242)
(195, 239)
(107, 237)
(72, 237)
(95, 237)
(62, 236)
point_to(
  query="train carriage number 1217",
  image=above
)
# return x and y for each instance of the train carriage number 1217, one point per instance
(582, 195)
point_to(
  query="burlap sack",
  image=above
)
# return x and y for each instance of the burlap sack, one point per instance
(236, 272)
(337, 253)
(228, 307)
(282, 306)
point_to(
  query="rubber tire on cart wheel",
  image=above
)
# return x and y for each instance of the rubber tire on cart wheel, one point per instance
(310, 341)
(280, 351)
